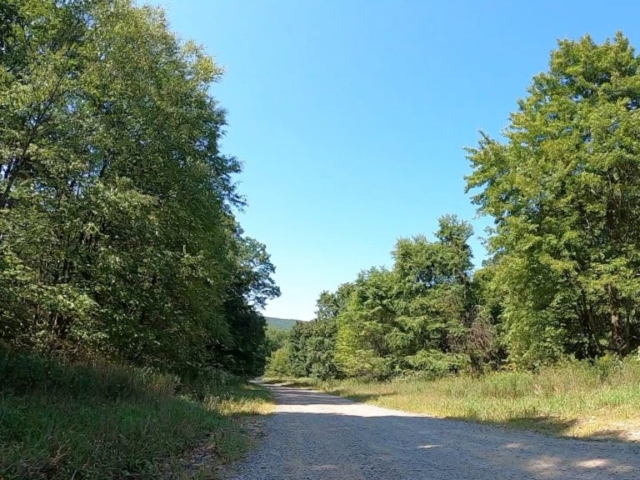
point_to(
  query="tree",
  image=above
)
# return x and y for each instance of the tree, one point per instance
(417, 316)
(435, 298)
(117, 233)
(249, 288)
(564, 190)
(276, 339)
(363, 346)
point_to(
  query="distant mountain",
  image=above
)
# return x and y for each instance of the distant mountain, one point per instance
(281, 323)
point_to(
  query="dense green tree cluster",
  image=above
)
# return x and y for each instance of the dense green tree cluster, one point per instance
(563, 273)
(421, 315)
(564, 190)
(118, 238)
(117, 233)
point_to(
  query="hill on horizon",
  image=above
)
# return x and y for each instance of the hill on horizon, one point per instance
(281, 323)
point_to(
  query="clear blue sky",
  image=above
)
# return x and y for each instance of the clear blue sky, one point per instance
(351, 115)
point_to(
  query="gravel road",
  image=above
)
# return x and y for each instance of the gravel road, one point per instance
(313, 436)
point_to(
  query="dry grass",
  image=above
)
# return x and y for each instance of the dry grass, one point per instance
(573, 399)
(253, 400)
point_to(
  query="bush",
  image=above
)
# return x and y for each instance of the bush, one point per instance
(278, 364)
(435, 364)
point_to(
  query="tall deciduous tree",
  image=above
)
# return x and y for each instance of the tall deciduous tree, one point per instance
(564, 190)
(117, 232)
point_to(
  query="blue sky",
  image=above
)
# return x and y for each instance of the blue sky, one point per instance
(351, 115)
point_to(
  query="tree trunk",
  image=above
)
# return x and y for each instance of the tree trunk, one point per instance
(616, 322)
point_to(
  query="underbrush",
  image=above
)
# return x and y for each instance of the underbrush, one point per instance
(61, 421)
(577, 399)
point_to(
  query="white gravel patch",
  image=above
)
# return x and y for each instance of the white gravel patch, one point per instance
(314, 436)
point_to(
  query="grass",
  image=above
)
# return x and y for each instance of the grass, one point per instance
(572, 400)
(103, 422)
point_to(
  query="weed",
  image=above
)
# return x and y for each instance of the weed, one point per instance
(575, 399)
(101, 422)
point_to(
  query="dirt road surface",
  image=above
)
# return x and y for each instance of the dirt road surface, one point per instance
(314, 436)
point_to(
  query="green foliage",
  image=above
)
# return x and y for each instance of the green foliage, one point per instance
(421, 316)
(366, 326)
(281, 323)
(564, 190)
(276, 338)
(427, 315)
(563, 276)
(279, 364)
(61, 421)
(277, 353)
(117, 234)
(311, 349)
(435, 364)
(571, 398)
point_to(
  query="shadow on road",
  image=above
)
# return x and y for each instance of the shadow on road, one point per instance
(317, 436)
(548, 425)
(553, 426)
(289, 395)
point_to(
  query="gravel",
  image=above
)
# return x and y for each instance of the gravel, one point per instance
(314, 436)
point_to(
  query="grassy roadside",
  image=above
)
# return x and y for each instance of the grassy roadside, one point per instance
(570, 400)
(62, 422)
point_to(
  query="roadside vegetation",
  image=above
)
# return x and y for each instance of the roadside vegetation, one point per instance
(61, 421)
(130, 296)
(571, 399)
(545, 333)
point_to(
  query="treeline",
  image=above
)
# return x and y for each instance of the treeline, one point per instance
(117, 233)
(562, 278)
(428, 313)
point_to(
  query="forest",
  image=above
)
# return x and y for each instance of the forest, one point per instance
(562, 276)
(117, 230)
(128, 289)
(131, 298)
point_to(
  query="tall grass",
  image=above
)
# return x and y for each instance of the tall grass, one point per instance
(99, 422)
(571, 399)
